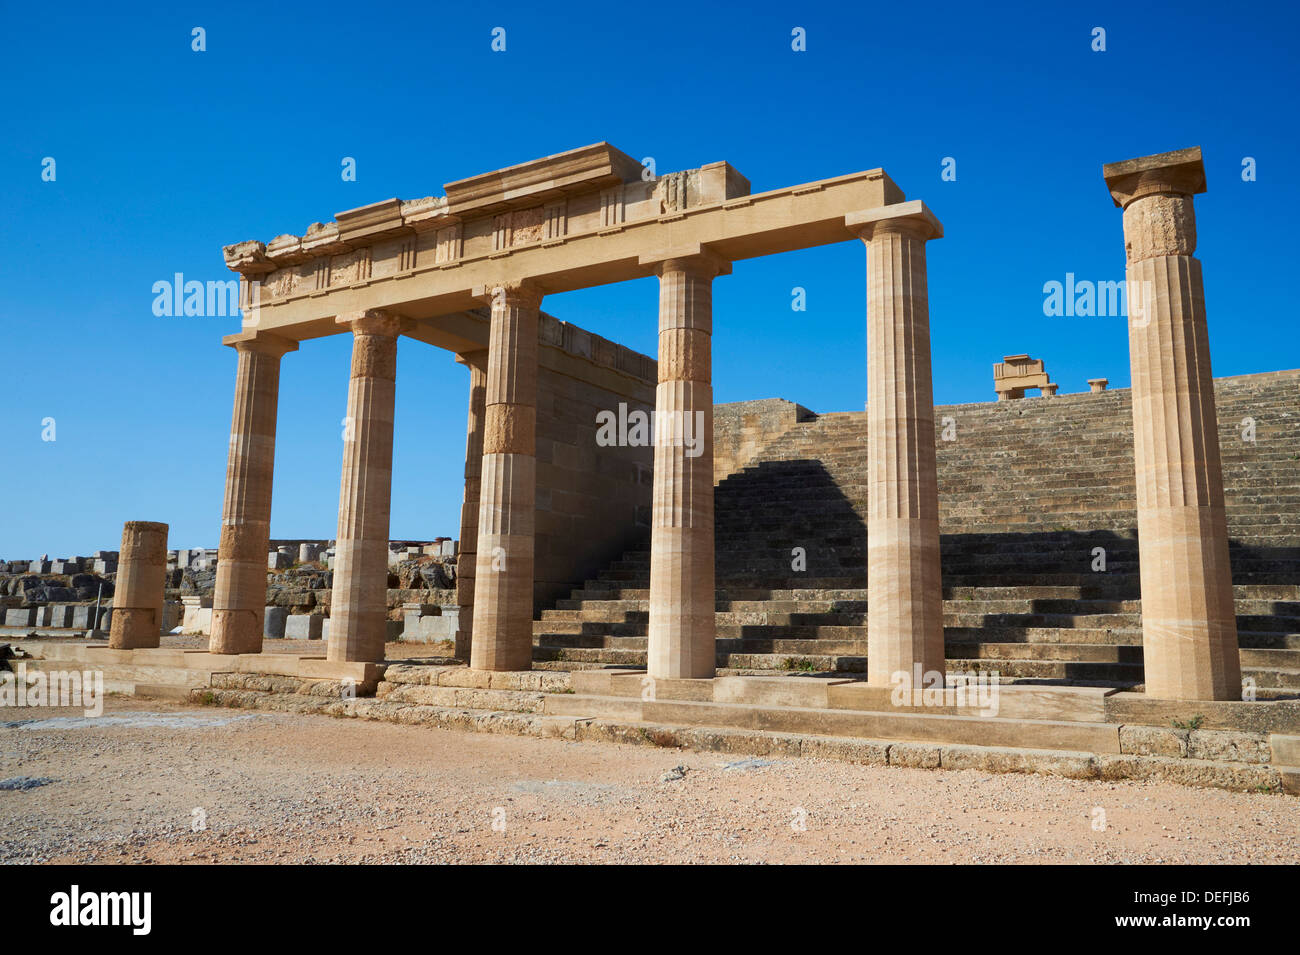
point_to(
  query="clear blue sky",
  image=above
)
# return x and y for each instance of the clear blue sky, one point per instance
(164, 155)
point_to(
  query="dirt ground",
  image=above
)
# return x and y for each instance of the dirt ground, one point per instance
(157, 782)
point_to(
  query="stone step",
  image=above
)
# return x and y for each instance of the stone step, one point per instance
(896, 725)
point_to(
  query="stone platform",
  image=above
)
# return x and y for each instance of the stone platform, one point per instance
(166, 672)
(1086, 732)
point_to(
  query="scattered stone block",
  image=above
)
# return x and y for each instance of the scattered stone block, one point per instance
(278, 560)
(20, 617)
(192, 620)
(60, 616)
(303, 626)
(171, 618)
(274, 621)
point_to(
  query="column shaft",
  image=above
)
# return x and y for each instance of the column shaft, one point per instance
(681, 633)
(503, 585)
(469, 512)
(1189, 627)
(239, 601)
(904, 588)
(138, 595)
(359, 602)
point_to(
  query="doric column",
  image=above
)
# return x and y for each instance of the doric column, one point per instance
(681, 634)
(503, 585)
(138, 593)
(904, 588)
(476, 362)
(359, 603)
(1189, 628)
(239, 600)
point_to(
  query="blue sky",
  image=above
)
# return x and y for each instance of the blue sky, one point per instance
(164, 155)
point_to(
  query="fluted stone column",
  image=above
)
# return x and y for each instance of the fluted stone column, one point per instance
(681, 634)
(138, 593)
(904, 588)
(239, 600)
(503, 585)
(359, 602)
(467, 558)
(1189, 628)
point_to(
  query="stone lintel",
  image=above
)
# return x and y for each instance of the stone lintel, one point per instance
(584, 169)
(1180, 172)
(914, 214)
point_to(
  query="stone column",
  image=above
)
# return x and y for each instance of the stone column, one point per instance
(240, 597)
(1189, 627)
(476, 362)
(138, 593)
(681, 634)
(359, 602)
(503, 585)
(904, 588)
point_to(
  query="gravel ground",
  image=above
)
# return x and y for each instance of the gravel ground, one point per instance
(282, 788)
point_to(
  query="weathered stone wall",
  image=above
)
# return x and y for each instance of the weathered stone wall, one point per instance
(593, 502)
(743, 428)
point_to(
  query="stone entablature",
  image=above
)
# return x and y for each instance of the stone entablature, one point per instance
(583, 218)
(583, 191)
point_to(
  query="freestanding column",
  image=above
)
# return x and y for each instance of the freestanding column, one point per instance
(359, 603)
(681, 634)
(904, 588)
(503, 585)
(1189, 628)
(239, 600)
(138, 594)
(476, 362)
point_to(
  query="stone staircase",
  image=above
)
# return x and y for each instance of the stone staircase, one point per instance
(1029, 490)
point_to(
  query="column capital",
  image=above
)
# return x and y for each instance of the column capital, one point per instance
(1179, 173)
(374, 321)
(695, 260)
(263, 343)
(473, 359)
(912, 218)
(519, 292)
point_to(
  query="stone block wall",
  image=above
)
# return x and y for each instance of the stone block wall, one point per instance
(593, 502)
(742, 429)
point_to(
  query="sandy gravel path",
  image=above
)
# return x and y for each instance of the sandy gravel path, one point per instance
(273, 788)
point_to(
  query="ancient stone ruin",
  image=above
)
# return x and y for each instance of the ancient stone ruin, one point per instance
(1101, 585)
